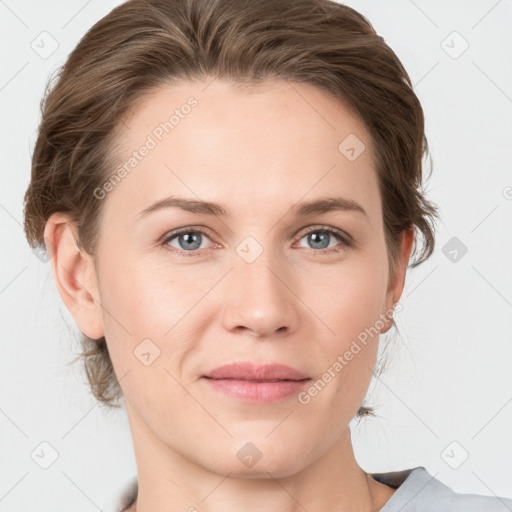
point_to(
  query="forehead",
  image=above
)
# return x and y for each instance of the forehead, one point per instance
(221, 104)
(218, 142)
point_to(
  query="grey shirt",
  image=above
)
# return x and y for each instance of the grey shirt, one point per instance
(417, 491)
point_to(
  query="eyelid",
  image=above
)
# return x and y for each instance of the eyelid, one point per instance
(343, 235)
(165, 239)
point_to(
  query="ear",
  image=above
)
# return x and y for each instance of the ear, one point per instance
(74, 274)
(397, 282)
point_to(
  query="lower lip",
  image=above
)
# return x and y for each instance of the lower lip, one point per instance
(258, 392)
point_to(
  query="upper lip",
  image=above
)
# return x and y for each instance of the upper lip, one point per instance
(252, 371)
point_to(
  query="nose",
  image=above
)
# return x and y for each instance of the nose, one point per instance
(260, 298)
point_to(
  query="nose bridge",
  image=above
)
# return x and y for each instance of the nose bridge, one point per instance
(257, 294)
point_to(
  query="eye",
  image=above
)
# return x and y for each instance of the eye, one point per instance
(320, 237)
(189, 240)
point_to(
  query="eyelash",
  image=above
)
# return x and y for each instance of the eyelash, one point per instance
(343, 237)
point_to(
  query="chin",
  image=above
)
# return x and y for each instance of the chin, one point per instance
(256, 459)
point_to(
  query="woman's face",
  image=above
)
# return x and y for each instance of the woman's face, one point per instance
(259, 282)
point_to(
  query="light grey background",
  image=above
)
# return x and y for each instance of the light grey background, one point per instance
(450, 381)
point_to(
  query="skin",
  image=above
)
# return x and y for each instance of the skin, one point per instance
(258, 153)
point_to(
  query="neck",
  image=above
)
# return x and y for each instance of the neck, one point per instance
(334, 481)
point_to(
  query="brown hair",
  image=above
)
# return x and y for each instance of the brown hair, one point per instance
(142, 45)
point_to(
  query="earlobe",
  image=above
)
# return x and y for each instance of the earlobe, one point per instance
(397, 282)
(74, 274)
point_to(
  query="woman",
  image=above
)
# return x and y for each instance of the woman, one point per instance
(231, 194)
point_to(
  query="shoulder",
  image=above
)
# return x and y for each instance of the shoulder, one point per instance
(449, 500)
(421, 492)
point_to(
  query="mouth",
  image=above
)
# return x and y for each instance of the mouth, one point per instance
(256, 372)
(256, 380)
(254, 383)
(257, 391)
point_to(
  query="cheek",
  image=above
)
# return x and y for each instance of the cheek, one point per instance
(133, 308)
(348, 356)
(352, 300)
(142, 313)
(137, 293)
(149, 309)
(350, 308)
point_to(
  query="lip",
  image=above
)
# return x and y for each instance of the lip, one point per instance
(252, 371)
(256, 383)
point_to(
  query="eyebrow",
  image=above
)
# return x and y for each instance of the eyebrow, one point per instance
(322, 205)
